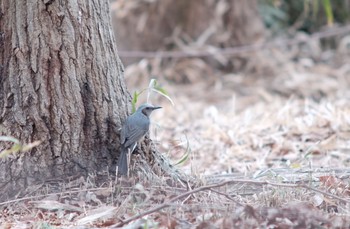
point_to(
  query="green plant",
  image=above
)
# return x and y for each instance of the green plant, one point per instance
(186, 155)
(306, 15)
(17, 146)
(153, 86)
(328, 10)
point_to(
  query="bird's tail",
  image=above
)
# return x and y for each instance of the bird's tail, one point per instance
(123, 161)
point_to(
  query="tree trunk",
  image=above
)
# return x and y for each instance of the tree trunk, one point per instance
(62, 83)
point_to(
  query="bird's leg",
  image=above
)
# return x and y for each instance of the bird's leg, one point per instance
(133, 147)
(130, 151)
(128, 156)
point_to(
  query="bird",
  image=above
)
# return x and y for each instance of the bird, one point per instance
(134, 129)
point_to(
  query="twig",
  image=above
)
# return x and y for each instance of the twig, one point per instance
(227, 196)
(290, 186)
(61, 193)
(231, 51)
(207, 187)
(167, 204)
(51, 194)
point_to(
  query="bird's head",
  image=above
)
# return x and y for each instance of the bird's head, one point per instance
(147, 109)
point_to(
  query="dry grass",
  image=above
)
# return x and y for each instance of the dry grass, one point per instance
(266, 151)
(291, 127)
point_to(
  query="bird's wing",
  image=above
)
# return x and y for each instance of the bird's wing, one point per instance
(134, 134)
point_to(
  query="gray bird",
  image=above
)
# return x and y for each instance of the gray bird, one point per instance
(135, 127)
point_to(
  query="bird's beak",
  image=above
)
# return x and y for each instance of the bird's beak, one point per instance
(155, 108)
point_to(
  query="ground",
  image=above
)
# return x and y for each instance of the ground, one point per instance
(267, 147)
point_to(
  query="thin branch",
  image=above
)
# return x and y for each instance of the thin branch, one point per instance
(51, 194)
(167, 204)
(210, 187)
(291, 186)
(231, 51)
(62, 193)
(227, 196)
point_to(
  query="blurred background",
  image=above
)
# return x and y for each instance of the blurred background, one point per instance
(256, 83)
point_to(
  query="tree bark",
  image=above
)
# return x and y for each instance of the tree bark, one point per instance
(62, 83)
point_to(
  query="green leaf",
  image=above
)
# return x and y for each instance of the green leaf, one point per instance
(186, 155)
(17, 146)
(30, 146)
(329, 12)
(9, 139)
(153, 86)
(160, 89)
(152, 83)
(14, 149)
(295, 166)
(163, 94)
(6, 152)
(183, 158)
(134, 101)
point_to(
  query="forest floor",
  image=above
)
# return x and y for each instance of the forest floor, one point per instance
(269, 148)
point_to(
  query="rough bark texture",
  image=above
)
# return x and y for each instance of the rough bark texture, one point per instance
(62, 83)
